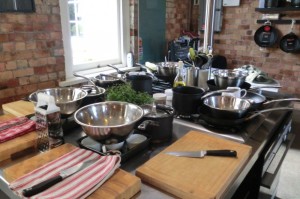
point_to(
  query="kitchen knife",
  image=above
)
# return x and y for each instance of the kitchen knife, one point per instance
(202, 153)
(56, 179)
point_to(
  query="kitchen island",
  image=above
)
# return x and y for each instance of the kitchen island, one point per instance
(257, 142)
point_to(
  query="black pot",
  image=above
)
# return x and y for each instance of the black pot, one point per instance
(140, 83)
(186, 99)
(159, 125)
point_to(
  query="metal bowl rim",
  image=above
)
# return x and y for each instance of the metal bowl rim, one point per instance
(85, 94)
(107, 102)
(205, 102)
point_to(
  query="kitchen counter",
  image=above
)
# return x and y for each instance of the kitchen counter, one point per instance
(148, 191)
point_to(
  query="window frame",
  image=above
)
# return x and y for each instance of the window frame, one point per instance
(125, 40)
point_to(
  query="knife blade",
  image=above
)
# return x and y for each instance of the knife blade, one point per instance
(202, 153)
(38, 188)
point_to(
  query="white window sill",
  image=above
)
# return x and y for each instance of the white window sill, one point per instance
(92, 73)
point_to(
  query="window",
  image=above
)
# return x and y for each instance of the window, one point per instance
(95, 33)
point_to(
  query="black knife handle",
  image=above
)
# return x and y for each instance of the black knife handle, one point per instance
(227, 153)
(38, 188)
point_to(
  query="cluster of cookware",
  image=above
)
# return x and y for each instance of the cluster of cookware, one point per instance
(268, 36)
(112, 121)
(224, 107)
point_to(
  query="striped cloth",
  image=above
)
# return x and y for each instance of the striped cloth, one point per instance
(15, 127)
(78, 185)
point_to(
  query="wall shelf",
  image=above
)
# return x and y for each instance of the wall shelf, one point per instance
(277, 10)
(279, 21)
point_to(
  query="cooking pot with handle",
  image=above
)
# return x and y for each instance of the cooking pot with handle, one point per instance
(157, 122)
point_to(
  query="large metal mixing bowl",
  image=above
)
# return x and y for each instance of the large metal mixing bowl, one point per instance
(227, 106)
(229, 78)
(110, 121)
(67, 98)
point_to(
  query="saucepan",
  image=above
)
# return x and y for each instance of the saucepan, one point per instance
(157, 122)
(187, 99)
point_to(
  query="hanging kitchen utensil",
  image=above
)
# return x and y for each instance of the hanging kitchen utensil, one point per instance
(290, 43)
(266, 35)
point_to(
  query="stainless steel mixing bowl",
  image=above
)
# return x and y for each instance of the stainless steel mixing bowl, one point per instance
(67, 98)
(110, 121)
(229, 78)
(227, 106)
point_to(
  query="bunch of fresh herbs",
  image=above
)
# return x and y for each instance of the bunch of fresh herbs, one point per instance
(124, 93)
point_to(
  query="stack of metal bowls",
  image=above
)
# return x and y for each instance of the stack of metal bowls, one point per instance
(229, 78)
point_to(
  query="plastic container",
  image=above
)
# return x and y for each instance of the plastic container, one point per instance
(160, 98)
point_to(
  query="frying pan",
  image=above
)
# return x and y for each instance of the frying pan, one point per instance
(258, 100)
(234, 122)
(266, 35)
(290, 43)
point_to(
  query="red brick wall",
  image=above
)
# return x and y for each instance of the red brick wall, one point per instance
(31, 51)
(178, 14)
(236, 43)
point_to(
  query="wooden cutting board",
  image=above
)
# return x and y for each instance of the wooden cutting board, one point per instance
(121, 185)
(17, 146)
(19, 108)
(185, 177)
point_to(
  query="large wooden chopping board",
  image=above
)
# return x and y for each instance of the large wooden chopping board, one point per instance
(13, 148)
(185, 177)
(19, 108)
(121, 185)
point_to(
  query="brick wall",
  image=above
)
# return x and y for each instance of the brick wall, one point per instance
(31, 51)
(236, 43)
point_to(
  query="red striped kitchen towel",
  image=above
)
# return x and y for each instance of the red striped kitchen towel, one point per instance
(15, 127)
(79, 185)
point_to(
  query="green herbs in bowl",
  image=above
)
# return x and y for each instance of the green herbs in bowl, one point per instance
(125, 93)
